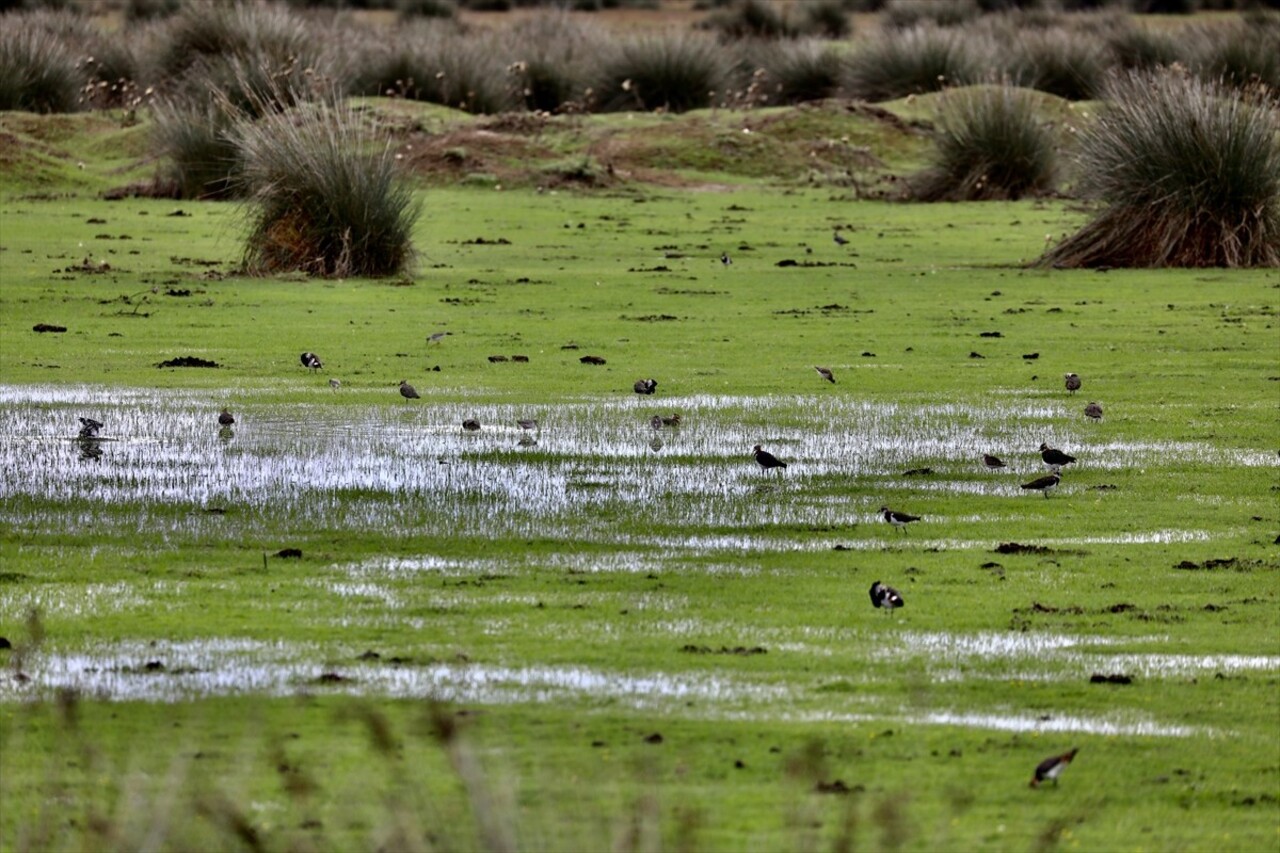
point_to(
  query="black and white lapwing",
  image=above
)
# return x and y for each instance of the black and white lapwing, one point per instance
(408, 391)
(897, 519)
(839, 238)
(1051, 768)
(1072, 382)
(1045, 484)
(993, 463)
(656, 421)
(311, 360)
(766, 459)
(471, 425)
(725, 259)
(1053, 457)
(225, 418)
(1093, 411)
(89, 427)
(825, 373)
(885, 596)
(645, 386)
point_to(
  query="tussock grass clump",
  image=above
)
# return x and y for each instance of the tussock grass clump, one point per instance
(797, 71)
(205, 29)
(437, 63)
(37, 72)
(323, 204)
(194, 137)
(907, 62)
(905, 14)
(743, 19)
(1189, 172)
(824, 18)
(670, 72)
(1062, 62)
(552, 55)
(1240, 53)
(1138, 47)
(990, 145)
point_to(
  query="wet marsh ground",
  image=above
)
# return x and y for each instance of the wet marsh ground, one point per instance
(600, 633)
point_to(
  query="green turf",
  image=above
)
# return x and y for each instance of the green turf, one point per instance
(568, 600)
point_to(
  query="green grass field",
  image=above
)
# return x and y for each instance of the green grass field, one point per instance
(601, 635)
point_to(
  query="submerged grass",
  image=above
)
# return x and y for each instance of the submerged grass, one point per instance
(569, 600)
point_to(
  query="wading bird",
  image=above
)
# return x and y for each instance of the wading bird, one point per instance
(992, 462)
(89, 427)
(1071, 381)
(1054, 458)
(645, 386)
(825, 373)
(225, 418)
(897, 519)
(1045, 484)
(408, 391)
(1094, 411)
(839, 238)
(471, 425)
(885, 596)
(311, 360)
(766, 459)
(1051, 768)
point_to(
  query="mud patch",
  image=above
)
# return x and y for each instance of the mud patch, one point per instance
(188, 361)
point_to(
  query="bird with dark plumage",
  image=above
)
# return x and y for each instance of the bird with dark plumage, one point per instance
(725, 259)
(408, 391)
(311, 360)
(1071, 381)
(993, 463)
(1093, 411)
(897, 519)
(885, 596)
(766, 459)
(225, 418)
(838, 238)
(1054, 458)
(645, 386)
(656, 421)
(825, 373)
(527, 423)
(1044, 485)
(89, 427)
(471, 425)
(672, 420)
(1051, 768)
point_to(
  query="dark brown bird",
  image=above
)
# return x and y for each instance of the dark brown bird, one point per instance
(1071, 381)
(885, 596)
(1054, 458)
(825, 373)
(897, 519)
(1045, 484)
(992, 462)
(1094, 411)
(225, 418)
(767, 460)
(311, 360)
(408, 391)
(838, 238)
(1051, 768)
(471, 425)
(527, 423)
(646, 386)
(672, 421)
(89, 427)
(656, 421)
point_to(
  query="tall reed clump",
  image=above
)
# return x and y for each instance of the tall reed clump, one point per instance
(1240, 53)
(37, 73)
(675, 72)
(907, 62)
(322, 203)
(551, 57)
(1063, 62)
(989, 145)
(797, 71)
(1188, 172)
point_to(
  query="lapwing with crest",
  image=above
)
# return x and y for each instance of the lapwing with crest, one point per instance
(1044, 485)
(885, 597)
(897, 519)
(311, 360)
(767, 460)
(645, 386)
(993, 463)
(1053, 457)
(1071, 381)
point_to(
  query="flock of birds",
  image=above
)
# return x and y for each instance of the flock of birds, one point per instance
(882, 595)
